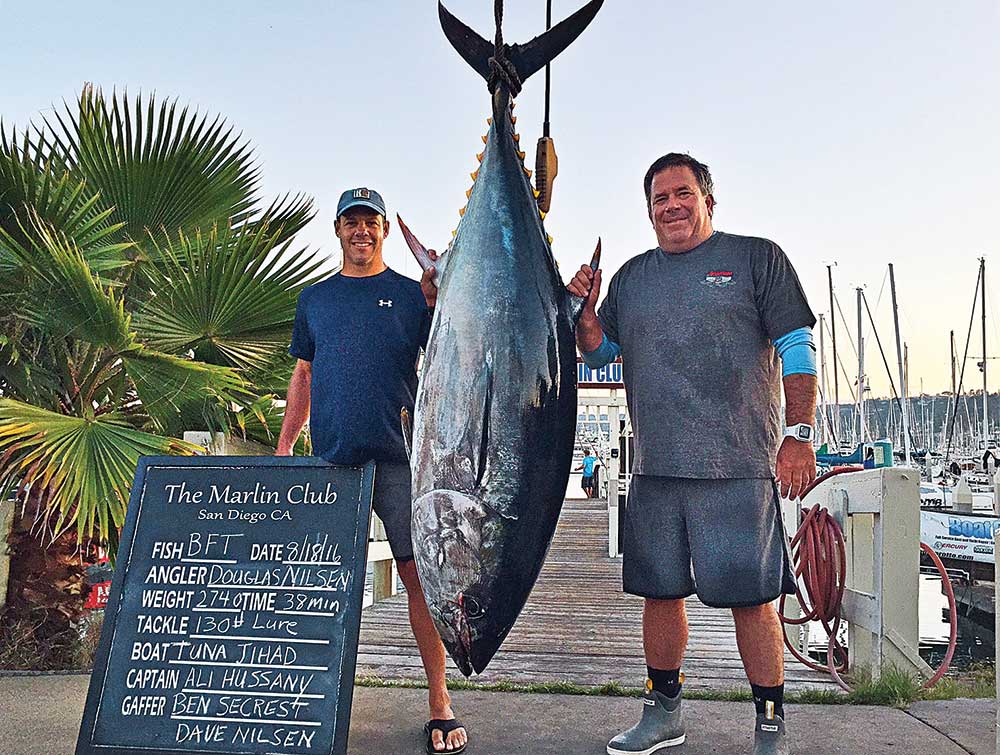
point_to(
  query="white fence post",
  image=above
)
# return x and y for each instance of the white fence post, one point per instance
(612, 473)
(879, 513)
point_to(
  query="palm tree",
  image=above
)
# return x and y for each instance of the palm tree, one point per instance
(144, 290)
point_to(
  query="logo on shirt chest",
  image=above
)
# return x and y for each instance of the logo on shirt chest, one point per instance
(719, 278)
(385, 302)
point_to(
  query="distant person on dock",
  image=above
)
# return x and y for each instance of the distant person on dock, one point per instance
(357, 337)
(587, 465)
(709, 325)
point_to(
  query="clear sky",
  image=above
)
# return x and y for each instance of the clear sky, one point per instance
(860, 133)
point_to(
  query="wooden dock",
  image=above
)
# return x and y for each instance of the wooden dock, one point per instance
(578, 626)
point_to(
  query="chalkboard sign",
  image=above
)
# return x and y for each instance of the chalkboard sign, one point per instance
(232, 625)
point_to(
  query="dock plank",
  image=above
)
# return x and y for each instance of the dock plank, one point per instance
(578, 626)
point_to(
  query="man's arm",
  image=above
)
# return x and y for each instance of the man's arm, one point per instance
(296, 407)
(796, 463)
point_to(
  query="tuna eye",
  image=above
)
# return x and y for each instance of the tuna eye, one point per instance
(473, 608)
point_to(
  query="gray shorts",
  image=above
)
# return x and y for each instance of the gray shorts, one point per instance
(393, 502)
(720, 538)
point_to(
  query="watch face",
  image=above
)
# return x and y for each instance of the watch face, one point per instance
(805, 432)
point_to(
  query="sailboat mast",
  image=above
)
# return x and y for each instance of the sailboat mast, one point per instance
(906, 377)
(833, 338)
(861, 373)
(986, 422)
(902, 375)
(822, 385)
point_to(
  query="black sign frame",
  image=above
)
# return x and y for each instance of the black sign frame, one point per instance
(86, 744)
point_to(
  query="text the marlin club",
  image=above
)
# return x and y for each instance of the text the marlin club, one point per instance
(305, 493)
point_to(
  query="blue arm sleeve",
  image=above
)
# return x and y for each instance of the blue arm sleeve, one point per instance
(604, 354)
(797, 351)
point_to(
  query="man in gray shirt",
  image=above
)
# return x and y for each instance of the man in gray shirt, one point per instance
(709, 325)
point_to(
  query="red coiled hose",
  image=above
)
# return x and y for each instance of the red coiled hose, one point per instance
(819, 560)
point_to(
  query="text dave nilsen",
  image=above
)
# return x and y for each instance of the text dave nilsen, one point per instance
(259, 494)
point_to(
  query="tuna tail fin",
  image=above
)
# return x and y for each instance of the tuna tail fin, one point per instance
(527, 58)
(576, 302)
(421, 252)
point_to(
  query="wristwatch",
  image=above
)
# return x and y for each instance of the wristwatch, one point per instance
(801, 431)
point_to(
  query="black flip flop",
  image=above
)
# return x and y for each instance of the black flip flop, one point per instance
(445, 726)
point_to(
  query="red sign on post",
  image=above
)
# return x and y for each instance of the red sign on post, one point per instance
(98, 596)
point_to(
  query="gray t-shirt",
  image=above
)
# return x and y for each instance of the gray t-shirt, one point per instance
(702, 378)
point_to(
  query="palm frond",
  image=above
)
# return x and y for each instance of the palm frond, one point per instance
(81, 469)
(227, 296)
(176, 392)
(33, 183)
(261, 422)
(65, 297)
(285, 217)
(157, 167)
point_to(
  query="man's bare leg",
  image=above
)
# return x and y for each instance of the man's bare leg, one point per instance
(664, 633)
(432, 654)
(758, 635)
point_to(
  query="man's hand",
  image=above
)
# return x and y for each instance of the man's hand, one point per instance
(587, 283)
(427, 284)
(796, 467)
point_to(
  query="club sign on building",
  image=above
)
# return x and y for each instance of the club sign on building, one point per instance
(608, 376)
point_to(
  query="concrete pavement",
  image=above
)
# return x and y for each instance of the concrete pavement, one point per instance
(40, 715)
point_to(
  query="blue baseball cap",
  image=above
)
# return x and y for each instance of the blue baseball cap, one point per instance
(361, 198)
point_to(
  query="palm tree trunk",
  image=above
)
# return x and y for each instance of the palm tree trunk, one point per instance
(45, 596)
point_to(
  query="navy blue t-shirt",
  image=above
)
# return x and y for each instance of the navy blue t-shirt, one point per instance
(363, 337)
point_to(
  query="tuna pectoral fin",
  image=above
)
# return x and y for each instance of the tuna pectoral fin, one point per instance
(421, 252)
(407, 425)
(576, 302)
(527, 58)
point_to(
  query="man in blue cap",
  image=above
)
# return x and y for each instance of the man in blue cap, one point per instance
(357, 337)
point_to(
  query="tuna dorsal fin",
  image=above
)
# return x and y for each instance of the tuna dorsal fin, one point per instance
(576, 302)
(527, 58)
(421, 252)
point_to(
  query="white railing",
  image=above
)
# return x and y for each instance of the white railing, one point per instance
(383, 564)
(879, 513)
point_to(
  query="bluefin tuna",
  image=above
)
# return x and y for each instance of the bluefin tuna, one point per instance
(495, 414)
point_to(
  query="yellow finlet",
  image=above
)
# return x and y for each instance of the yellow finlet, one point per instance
(541, 214)
(479, 157)
(468, 194)
(474, 174)
(455, 233)
(536, 192)
(489, 121)
(550, 240)
(517, 138)
(513, 119)
(527, 172)
(521, 155)
(484, 138)
(461, 212)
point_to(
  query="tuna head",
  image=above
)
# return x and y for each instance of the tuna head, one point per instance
(458, 573)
